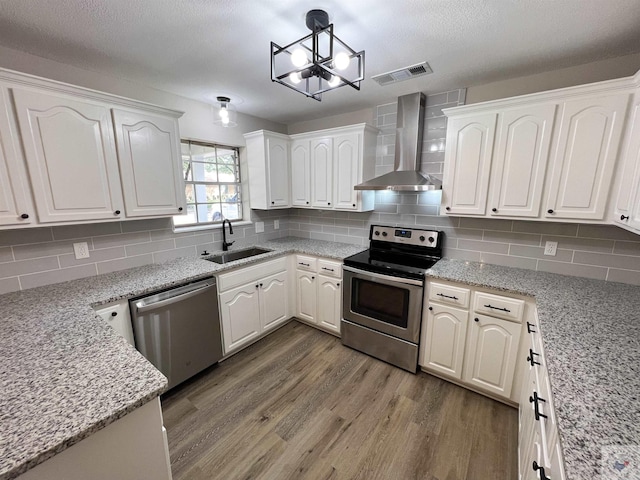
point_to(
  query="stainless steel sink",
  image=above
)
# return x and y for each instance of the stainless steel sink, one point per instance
(239, 255)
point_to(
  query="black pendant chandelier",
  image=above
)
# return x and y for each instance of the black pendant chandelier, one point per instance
(318, 62)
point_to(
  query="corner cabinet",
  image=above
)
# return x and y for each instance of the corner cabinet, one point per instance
(321, 166)
(84, 156)
(546, 156)
(269, 171)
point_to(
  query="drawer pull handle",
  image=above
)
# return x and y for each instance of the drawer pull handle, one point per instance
(447, 296)
(529, 330)
(305, 264)
(536, 405)
(537, 467)
(530, 358)
(624, 217)
(498, 308)
(329, 269)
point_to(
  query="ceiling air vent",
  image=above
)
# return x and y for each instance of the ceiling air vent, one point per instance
(402, 74)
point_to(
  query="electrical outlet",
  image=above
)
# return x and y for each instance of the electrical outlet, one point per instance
(550, 248)
(276, 224)
(259, 227)
(81, 250)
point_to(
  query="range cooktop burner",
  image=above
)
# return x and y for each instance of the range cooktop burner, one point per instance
(404, 252)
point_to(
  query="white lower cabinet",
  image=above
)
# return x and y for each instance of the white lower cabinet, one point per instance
(118, 317)
(319, 292)
(253, 300)
(462, 343)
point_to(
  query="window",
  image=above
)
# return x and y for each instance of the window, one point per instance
(213, 190)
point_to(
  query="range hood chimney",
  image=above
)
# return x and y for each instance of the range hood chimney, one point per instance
(406, 174)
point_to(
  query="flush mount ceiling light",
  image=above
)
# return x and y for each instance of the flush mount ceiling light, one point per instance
(318, 62)
(225, 113)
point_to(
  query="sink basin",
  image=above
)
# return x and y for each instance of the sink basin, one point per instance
(239, 255)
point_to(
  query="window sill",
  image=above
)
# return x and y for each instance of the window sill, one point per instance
(199, 228)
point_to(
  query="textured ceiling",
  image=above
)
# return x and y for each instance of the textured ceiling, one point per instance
(204, 48)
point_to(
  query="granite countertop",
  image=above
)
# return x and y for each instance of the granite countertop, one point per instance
(65, 374)
(591, 335)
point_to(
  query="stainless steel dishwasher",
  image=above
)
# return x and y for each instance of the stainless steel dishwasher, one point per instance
(178, 330)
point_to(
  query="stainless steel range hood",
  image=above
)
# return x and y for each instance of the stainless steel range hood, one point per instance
(406, 174)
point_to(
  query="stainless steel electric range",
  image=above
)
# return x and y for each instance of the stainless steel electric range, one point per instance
(384, 290)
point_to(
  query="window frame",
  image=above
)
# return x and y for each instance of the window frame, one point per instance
(241, 204)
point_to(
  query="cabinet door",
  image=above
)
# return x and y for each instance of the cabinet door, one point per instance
(306, 296)
(240, 315)
(70, 155)
(585, 155)
(490, 356)
(14, 202)
(300, 174)
(444, 339)
(329, 303)
(278, 171)
(468, 164)
(520, 161)
(118, 317)
(274, 299)
(149, 157)
(347, 159)
(627, 212)
(321, 172)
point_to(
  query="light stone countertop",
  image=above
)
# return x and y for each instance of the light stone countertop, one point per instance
(65, 374)
(591, 336)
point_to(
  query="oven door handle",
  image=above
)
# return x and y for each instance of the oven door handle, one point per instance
(390, 278)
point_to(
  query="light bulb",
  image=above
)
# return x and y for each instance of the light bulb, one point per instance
(334, 82)
(299, 57)
(224, 113)
(225, 120)
(342, 61)
(295, 77)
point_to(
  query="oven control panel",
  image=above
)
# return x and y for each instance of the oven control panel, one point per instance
(409, 236)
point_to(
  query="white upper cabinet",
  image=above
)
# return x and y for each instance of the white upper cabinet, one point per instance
(520, 160)
(300, 174)
(322, 172)
(148, 151)
(553, 157)
(268, 165)
(15, 205)
(71, 156)
(347, 164)
(586, 150)
(468, 164)
(627, 208)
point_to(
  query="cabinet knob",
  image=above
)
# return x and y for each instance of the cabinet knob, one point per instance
(622, 217)
(337, 284)
(261, 285)
(537, 467)
(179, 209)
(550, 211)
(26, 215)
(313, 278)
(354, 204)
(447, 208)
(307, 203)
(257, 286)
(117, 212)
(494, 210)
(114, 314)
(328, 203)
(273, 203)
(476, 319)
(431, 308)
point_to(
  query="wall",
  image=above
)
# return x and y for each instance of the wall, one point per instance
(608, 69)
(360, 116)
(40, 256)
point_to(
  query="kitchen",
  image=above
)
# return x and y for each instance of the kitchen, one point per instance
(36, 257)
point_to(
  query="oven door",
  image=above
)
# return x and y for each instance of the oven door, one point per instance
(388, 304)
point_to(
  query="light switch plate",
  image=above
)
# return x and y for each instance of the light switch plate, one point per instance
(81, 250)
(276, 224)
(550, 248)
(259, 227)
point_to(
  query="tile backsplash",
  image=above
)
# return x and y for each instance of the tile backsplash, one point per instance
(39, 256)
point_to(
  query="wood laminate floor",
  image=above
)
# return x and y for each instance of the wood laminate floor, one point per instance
(300, 405)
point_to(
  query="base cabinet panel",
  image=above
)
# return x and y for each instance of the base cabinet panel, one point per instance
(329, 303)
(306, 296)
(240, 315)
(274, 300)
(444, 340)
(491, 354)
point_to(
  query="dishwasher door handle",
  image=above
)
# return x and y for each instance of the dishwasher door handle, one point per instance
(142, 307)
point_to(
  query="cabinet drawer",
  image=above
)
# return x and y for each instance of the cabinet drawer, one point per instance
(329, 268)
(304, 262)
(440, 292)
(498, 306)
(250, 274)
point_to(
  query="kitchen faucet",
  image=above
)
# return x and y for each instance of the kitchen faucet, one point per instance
(225, 244)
